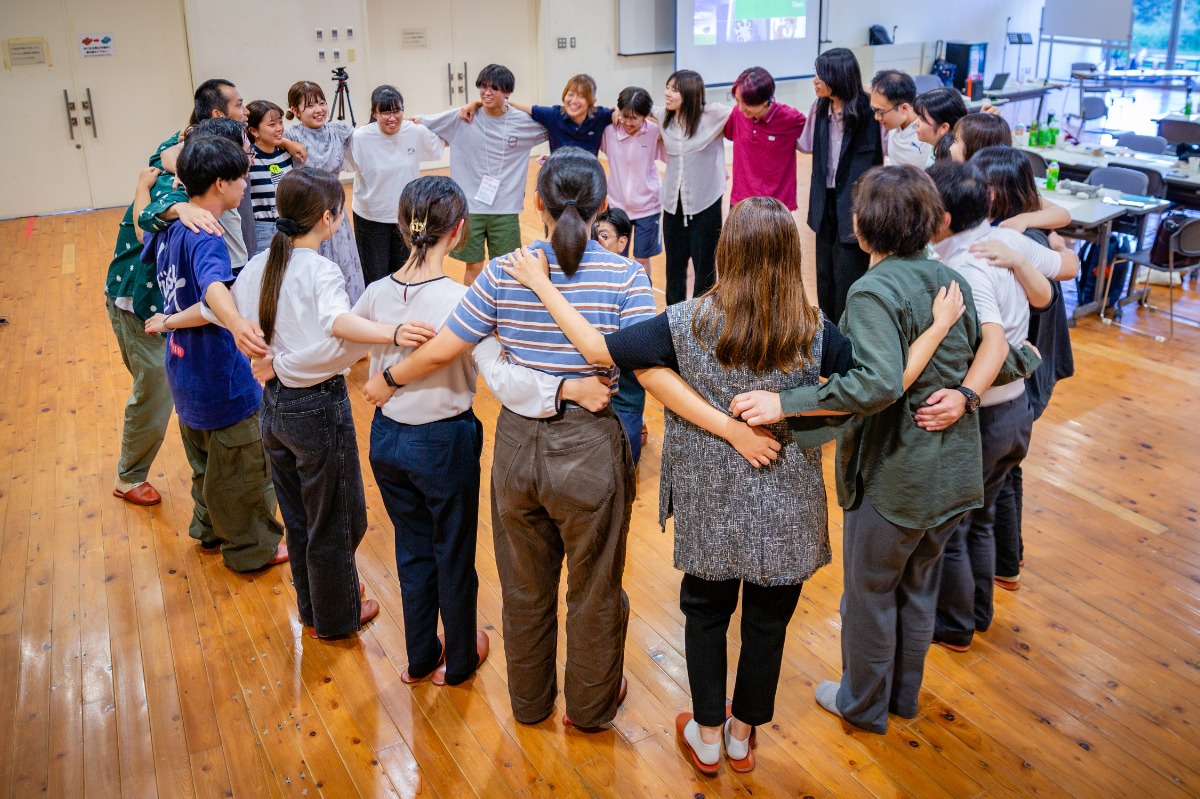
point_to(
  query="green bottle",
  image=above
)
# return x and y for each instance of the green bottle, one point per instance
(1052, 176)
(1035, 134)
(1052, 131)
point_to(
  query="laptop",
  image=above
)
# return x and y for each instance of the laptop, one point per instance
(998, 82)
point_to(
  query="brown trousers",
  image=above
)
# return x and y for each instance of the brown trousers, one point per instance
(562, 487)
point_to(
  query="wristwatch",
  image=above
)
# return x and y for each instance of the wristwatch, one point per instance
(387, 378)
(972, 397)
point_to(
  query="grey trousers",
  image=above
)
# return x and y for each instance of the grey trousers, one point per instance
(965, 597)
(891, 575)
(562, 487)
(148, 409)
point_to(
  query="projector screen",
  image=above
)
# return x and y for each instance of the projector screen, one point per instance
(720, 38)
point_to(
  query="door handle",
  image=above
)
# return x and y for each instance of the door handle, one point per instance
(90, 107)
(71, 121)
(463, 88)
(450, 82)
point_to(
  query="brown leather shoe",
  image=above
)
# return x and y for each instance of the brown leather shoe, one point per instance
(622, 692)
(142, 494)
(408, 679)
(281, 555)
(960, 648)
(483, 645)
(367, 611)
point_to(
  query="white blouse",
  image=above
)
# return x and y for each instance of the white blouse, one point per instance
(695, 164)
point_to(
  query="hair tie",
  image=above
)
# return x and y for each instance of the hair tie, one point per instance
(288, 226)
(571, 203)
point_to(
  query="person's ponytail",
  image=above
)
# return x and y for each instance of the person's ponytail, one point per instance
(572, 188)
(302, 198)
(570, 238)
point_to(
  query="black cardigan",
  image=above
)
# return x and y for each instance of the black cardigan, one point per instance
(862, 148)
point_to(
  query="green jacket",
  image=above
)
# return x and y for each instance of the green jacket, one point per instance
(913, 477)
(127, 275)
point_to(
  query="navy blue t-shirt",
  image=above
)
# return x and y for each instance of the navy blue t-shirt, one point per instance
(210, 379)
(563, 132)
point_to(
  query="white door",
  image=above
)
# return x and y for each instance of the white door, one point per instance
(83, 126)
(433, 51)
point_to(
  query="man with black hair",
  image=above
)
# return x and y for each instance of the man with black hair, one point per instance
(1002, 299)
(216, 395)
(893, 95)
(489, 158)
(217, 97)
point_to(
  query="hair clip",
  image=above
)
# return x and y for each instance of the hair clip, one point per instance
(416, 226)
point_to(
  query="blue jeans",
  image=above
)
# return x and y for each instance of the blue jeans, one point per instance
(632, 423)
(428, 475)
(309, 436)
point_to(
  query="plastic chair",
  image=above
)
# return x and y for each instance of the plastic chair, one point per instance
(1179, 131)
(1119, 178)
(1143, 144)
(927, 83)
(1155, 185)
(1184, 244)
(1090, 107)
(1037, 163)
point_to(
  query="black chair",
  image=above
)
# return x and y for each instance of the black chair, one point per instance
(1036, 163)
(1185, 246)
(1179, 131)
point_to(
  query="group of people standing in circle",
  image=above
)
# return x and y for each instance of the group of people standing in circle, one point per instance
(754, 378)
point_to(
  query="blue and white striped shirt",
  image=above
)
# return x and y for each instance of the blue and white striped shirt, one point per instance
(610, 291)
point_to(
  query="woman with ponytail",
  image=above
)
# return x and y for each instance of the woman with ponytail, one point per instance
(561, 486)
(298, 298)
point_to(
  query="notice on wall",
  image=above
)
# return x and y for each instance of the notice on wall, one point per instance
(94, 45)
(413, 39)
(27, 52)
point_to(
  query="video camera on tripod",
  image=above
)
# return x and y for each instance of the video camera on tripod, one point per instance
(341, 97)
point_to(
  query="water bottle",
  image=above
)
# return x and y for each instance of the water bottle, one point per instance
(1035, 135)
(1019, 137)
(1052, 176)
(1052, 131)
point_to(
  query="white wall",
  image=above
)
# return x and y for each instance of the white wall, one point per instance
(846, 23)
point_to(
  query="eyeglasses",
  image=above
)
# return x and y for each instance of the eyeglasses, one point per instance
(631, 120)
(397, 114)
(881, 113)
(250, 156)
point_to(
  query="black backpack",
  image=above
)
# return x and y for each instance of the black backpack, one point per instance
(878, 35)
(942, 68)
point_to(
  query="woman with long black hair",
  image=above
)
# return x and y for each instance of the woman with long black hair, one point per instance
(845, 141)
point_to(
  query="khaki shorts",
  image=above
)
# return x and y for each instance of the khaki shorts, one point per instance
(502, 232)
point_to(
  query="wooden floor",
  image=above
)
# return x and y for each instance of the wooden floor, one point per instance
(133, 664)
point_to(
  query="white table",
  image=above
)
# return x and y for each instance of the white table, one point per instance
(1152, 78)
(1092, 220)
(1025, 91)
(1084, 157)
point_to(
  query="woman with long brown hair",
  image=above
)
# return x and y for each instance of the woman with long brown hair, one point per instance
(765, 532)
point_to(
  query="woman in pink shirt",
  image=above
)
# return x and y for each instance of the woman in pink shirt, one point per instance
(633, 147)
(764, 135)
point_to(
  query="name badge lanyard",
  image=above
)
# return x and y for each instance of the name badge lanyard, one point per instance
(489, 187)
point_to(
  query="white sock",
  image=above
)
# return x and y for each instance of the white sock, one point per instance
(709, 754)
(124, 487)
(735, 749)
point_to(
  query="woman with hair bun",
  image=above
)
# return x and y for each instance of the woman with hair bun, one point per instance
(562, 486)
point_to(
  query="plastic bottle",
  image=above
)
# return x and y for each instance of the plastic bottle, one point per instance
(1035, 135)
(1187, 103)
(1019, 137)
(1052, 176)
(1052, 131)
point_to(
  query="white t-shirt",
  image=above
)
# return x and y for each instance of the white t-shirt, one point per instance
(488, 146)
(312, 295)
(902, 146)
(384, 165)
(999, 296)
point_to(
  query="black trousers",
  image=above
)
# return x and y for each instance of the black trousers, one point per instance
(381, 248)
(969, 564)
(691, 238)
(708, 605)
(838, 264)
(1010, 546)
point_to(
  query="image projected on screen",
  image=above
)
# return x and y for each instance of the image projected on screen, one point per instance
(730, 35)
(746, 21)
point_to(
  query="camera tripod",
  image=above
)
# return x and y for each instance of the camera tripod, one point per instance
(341, 97)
